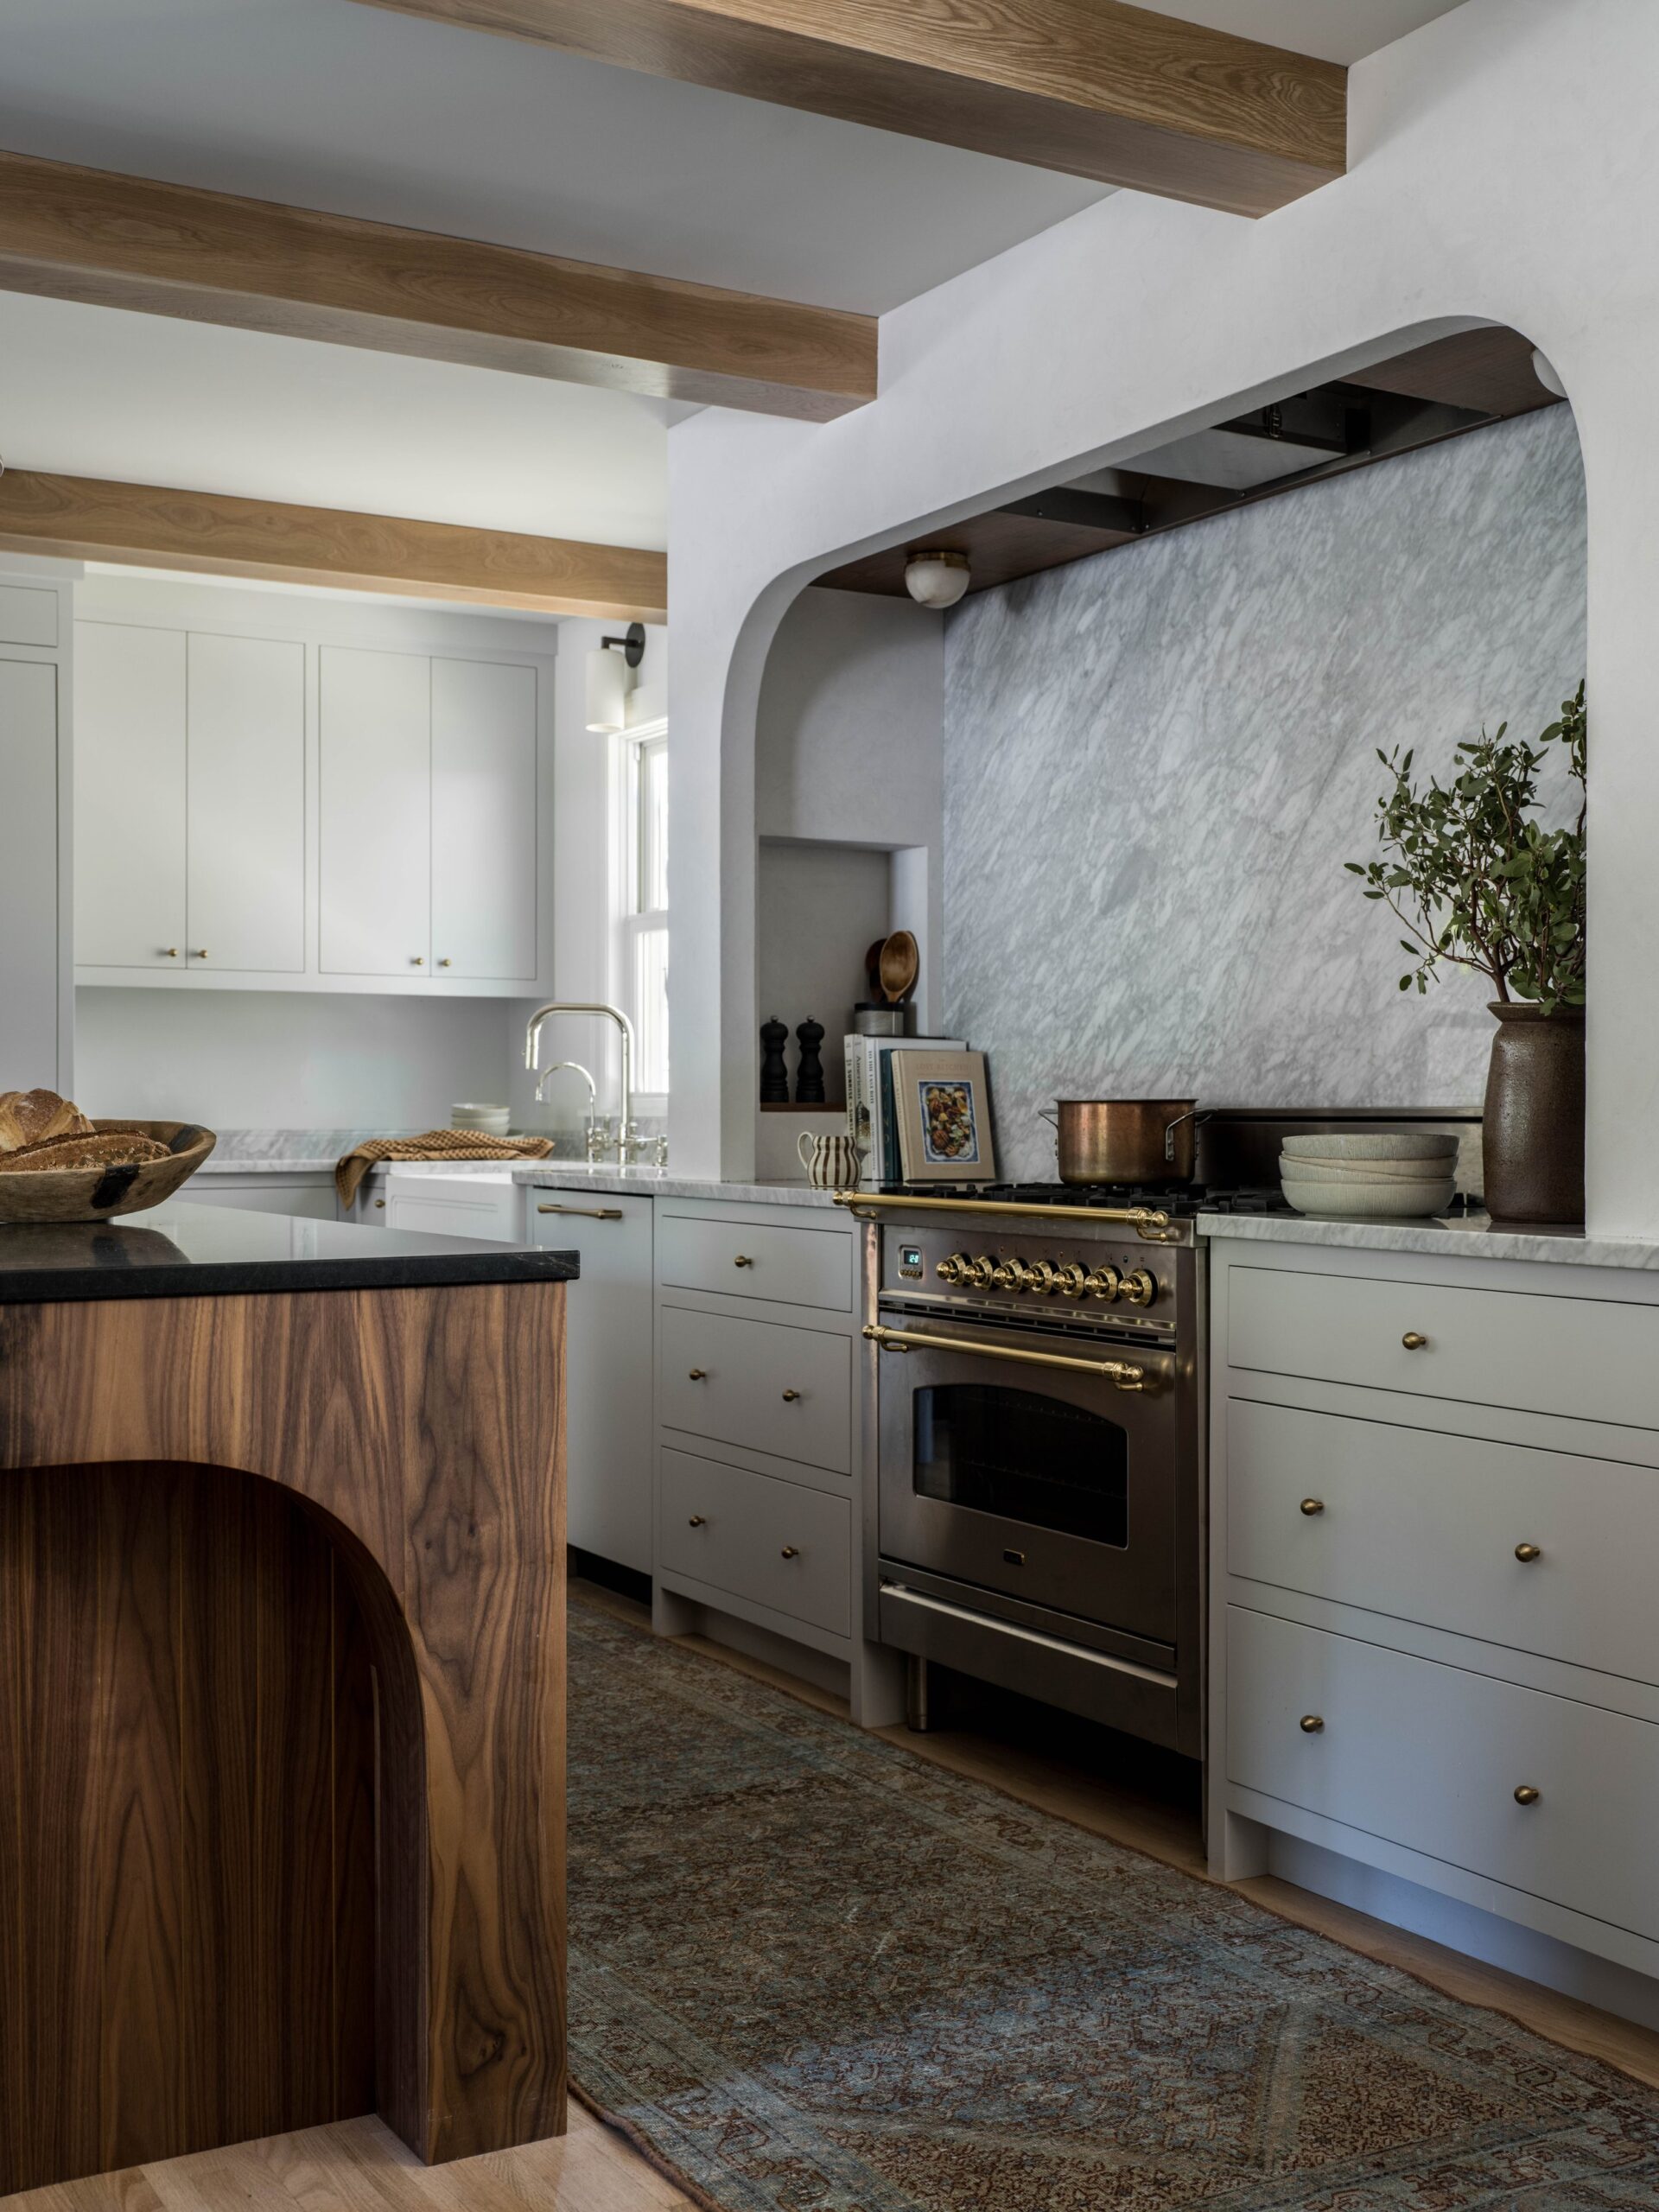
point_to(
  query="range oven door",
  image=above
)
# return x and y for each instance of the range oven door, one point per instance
(1006, 1463)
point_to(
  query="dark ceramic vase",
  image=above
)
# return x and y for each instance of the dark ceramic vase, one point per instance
(1532, 1142)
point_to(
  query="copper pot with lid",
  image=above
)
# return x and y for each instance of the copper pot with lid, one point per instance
(1124, 1140)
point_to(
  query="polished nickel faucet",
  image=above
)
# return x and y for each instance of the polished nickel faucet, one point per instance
(628, 1142)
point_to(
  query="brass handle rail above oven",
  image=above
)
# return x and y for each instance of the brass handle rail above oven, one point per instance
(1121, 1372)
(1152, 1227)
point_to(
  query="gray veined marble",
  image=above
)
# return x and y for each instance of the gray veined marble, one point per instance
(1157, 760)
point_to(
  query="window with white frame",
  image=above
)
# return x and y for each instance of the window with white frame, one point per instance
(641, 876)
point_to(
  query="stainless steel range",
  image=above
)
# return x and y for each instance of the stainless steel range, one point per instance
(1038, 1387)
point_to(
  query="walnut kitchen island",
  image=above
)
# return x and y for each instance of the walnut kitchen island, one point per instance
(282, 1688)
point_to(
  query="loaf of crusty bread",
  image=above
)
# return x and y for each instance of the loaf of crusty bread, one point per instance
(115, 1148)
(32, 1116)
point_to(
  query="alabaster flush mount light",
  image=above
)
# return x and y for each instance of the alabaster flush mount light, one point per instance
(610, 679)
(937, 579)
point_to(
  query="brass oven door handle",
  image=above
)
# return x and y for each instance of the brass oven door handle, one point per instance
(1120, 1372)
(1152, 1226)
(587, 1213)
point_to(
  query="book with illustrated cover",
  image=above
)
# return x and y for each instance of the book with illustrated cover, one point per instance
(870, 1116)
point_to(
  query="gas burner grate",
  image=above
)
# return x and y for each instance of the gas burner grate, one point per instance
(1181, 1201)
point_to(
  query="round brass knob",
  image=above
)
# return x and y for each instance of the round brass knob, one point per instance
(202, 954)
(446, 963)
(790, 1396)
(379, 1202)
(1106, 1282)
(696, 1374)
(1009, 1275)
(1526, 1794)
(742, 1260)
(1527, 1553)
(790, 1552)
(954, 1268)
(170, 952)
(1072, 1280)
(1413, 1340)
(419, 960)
(695, 1522)
(1313, 1505)
(977, 1274)
(1139, 1287)
(1313, 1724)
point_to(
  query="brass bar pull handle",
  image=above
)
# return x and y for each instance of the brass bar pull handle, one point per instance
(695, 1522)
(1414, 1340)
(1121, 1372)
(1526, 1794)
(1527, 1553)
(1152, 1227)
(696, 1374)
(1313, 1724)
(790, 1396)
(791, 1552)
(1313, 1505)
(587, 1213)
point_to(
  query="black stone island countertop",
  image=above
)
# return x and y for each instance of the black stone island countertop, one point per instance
(179, 1250)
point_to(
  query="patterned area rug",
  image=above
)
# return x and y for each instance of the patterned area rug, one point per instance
(810, 1973)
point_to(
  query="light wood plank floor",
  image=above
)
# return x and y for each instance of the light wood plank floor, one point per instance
(360, 2166)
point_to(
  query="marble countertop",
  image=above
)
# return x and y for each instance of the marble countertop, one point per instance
(178, 1250)
(1475, 1237)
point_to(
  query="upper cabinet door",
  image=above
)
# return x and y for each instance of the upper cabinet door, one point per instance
(484, 819)
(375, 857)
(245, 844)
(130, 796)
(30, 1046)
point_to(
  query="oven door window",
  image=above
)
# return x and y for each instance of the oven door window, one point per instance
(1022, 1456)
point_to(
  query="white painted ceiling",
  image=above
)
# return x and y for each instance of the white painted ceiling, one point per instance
(356, 109)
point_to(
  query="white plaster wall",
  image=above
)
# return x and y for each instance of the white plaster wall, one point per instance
(1503, 168)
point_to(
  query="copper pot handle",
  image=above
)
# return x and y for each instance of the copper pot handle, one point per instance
(1196, 1116)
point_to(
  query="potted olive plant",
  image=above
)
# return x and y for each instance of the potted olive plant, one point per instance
(1477, 878)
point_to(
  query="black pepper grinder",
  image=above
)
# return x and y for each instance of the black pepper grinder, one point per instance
(774, 1075)
(808, 1075)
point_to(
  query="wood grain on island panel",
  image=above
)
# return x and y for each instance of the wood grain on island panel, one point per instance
(227, 1705)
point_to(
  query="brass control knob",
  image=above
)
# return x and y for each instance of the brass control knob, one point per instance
(1313, 1724)
(1009, 1275)
(1139, 1287)
(979, 1273)
(954, 1269)
(1106, 1282)
(1072, 1280)
(1040, 1280)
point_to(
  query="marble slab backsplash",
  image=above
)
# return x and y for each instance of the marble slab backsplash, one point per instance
(1157, 760)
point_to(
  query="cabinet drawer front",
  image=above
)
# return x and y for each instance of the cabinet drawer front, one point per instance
(1586, 1596)
(772, 1542)
(1430, 1757)
(728, 1379)
(1592, 1359)
(28, 615)
(787, 1265)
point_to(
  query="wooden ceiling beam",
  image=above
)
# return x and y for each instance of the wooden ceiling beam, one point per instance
(73, 233)
(1093, 87)
(87, 518)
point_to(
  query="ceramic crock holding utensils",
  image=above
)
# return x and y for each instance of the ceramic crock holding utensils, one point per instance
(1124, 1140)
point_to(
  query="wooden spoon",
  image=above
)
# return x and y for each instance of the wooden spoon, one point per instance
(898, 965)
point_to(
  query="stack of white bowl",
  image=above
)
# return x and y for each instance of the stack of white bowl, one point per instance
(1391, 1175)
(489, 1121)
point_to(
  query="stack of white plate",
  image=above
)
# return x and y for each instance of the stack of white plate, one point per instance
(1398, 1176)
(489, 1121)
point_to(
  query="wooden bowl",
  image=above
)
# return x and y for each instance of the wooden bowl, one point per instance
(101, 1193)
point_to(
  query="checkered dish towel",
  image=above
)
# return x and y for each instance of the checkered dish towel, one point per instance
(437, 1144)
